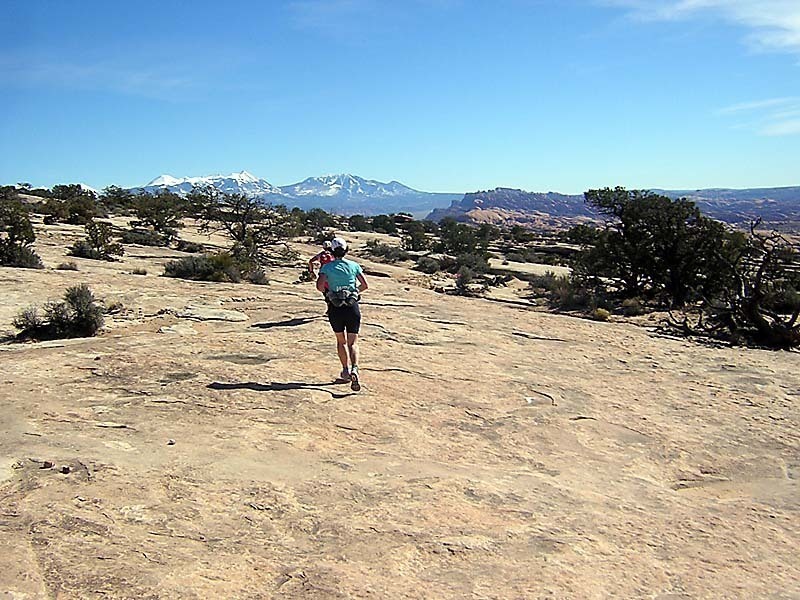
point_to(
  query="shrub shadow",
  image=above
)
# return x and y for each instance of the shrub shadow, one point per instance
(287, 323)
(277, 386)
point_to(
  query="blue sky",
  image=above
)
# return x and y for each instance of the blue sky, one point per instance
(443, 95)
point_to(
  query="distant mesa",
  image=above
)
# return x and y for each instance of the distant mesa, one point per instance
(507, 206)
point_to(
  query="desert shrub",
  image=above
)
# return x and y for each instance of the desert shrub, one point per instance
(515, 257)
(115, 308)
(78, 315)
(632, 307)
(144, 237)
(465, 275)
(386, 252)
(383, 224)
(359, 223)
(23, 257)
(476, 262)
(600, 314)
(161, 213)
(67, 266)
(71, 204)
(190, 247)
(257, 277)
(208, 267)
(428, 265)
(571, 293)
(414, 236)
(546, 283)
(98, 244)
(16, 233)
(139, 271)
(257, 230)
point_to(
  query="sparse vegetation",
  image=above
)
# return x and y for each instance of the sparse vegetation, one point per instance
(190, 247)
(386, 252)
(219, 267)
(98, 244)
(78, 315)
(71, 204)
(428, 265)
(259, 232)
(139, 271)
(16, 233)
(717, 282)
(144, 237)
(67, 266)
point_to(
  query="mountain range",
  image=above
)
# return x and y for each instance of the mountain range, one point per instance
(350, 194)
(343, 194)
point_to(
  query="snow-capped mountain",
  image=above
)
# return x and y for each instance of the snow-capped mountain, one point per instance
(345, 194)
(346, 186)
(350, 194)
(241, 183)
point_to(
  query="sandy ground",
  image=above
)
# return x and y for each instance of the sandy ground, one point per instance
(494, 452)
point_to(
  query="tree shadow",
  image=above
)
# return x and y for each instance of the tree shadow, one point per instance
(294, 322)
(277, 386)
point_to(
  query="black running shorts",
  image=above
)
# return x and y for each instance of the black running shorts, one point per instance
(344, 318)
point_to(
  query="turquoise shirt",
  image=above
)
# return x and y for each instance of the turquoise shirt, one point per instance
(341, 274)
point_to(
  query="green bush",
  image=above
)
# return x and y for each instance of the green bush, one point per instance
(546, 283)
(16, 233)
(190, 247)
(98, 244)
(22, 257)
(78, 315)
(476, 262)
(428, 265)
(632, 307)
(601, 314)
(387, 252)
(257, 277)
(144, 237)
(208, 267)
(571, 293)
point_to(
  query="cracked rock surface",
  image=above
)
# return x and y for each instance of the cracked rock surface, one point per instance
(494, 451)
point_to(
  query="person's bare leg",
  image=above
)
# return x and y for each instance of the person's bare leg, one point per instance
(352, 347)
(341, 349)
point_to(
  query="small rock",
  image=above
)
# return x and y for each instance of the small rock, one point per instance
(65, 469)
(48, 464)
(170, 442)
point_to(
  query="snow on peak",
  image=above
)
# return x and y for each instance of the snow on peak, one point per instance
(165, 180)
(238, 183)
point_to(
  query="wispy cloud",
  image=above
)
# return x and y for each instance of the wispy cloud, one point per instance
(773, 24)
(770, 117)
(161, 83)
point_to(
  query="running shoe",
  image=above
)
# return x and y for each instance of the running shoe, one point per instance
(354, 383)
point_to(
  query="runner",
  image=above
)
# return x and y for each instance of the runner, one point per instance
(321, 258)
(344, 280)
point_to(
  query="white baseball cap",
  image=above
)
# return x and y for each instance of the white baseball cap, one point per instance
(338, 242)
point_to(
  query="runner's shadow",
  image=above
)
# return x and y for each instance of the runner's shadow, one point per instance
(287, 323)
(277, 386)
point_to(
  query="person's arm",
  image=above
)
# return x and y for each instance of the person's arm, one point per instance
(311, 262)
(322, 282)
(362, 282)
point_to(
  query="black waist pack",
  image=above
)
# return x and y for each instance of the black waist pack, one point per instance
(344, 297)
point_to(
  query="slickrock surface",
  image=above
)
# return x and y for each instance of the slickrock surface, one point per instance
(494, 452)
